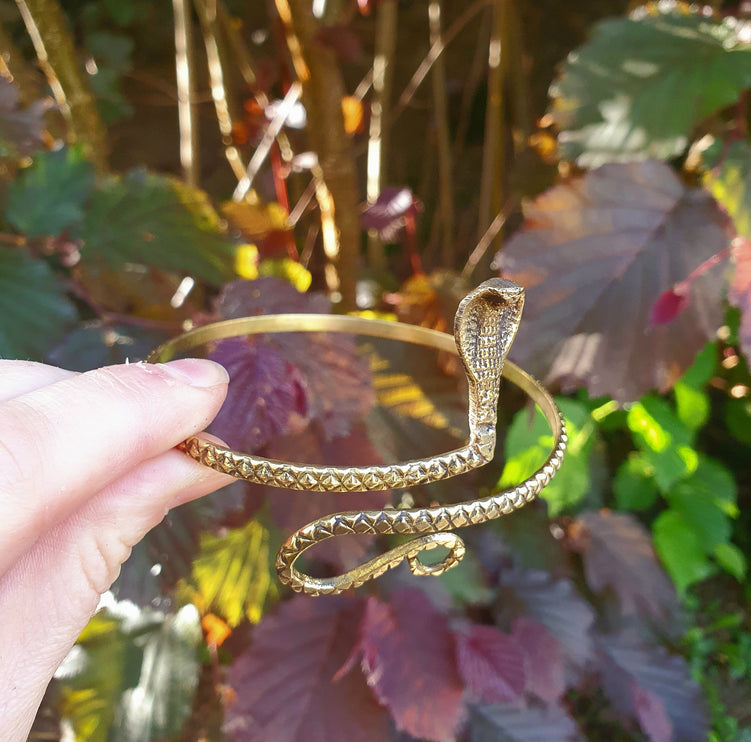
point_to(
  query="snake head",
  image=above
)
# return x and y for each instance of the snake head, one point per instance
(484, 327)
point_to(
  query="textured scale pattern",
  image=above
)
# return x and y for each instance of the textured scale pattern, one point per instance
(484, 328)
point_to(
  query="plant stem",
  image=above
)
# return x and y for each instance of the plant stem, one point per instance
(491, 184)
(185, 73)
(445, 199)
(377, 167)
(323, 90)
(48, 28)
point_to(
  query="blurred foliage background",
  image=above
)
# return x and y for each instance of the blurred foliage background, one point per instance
(163, 166)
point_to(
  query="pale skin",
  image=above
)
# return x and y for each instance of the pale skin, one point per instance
(87, 468)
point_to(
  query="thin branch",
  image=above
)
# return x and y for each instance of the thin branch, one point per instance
(487, 238)
(445, 179)
(263, 149)
(207, 15)
(377, 163)
(185, 73)
(47, 26)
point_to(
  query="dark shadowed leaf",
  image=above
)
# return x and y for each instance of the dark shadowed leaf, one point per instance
(645, 682)
(231, 574)
(618, 554)
(740, 291)
(292, 510)
(490, 664)
(634, 485)
(409, 660)
(49, 197)
(285, 683)
(20, 130)
(594, 256)
(34, 309)
(387, 214)
(263, 393)
(515, 723)
(555, 604)
(610, 102)
(94, 345)
(153, 220)
(544, 670)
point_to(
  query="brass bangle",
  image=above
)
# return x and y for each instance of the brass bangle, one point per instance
(484, 328)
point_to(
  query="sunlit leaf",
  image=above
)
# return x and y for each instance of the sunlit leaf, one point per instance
(514, 723)
(594, 255)
(288, 683)
(409, 661)
(287, 269)
(732, 560)
(490, 663)
(34, 309)
(149, 219)
(641, 85)
(644, 682)
(20, 129)
(528, 444)
(49, 197)
(680, 549)
(665, 442)
(387, 214)
(634, 484)
(352, 110)
(232, 573)
(740, 291)
(161, 702)
(618, 554)
(263, 393)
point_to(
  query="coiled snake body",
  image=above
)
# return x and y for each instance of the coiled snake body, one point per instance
(484, 328)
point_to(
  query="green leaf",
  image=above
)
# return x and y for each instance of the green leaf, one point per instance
(160, 704)
(132, 675)
(640, 85)
(153, 220)
(664, 440)
(48, 197)
(738, 419)
(34, 309)
(634, 484)
(732, 560)
(528, 445)
(681, 550)
(691, 405)
(702, 369)
(728, 178)
(232, 573)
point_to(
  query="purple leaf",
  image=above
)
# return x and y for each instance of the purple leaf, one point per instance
(669, 305)
(387, 214)
(555, 604)
(292, 509)
(263, 393)
(644, 682)
(284, 683)
(544, 670)
(409, 662)
(513, 723)
(335, 379)
(21, 129)
(740, 291)
(595, 255)
(268, 295)
(618, 553)
(490, 663)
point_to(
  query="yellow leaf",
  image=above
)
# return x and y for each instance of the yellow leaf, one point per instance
(246, 261)
(288, 269)
(353, 114)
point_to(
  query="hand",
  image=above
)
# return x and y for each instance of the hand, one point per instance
(87, 468)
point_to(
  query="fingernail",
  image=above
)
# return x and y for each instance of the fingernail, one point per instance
(196, 372)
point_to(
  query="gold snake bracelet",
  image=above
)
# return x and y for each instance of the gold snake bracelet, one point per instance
(484, 328)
